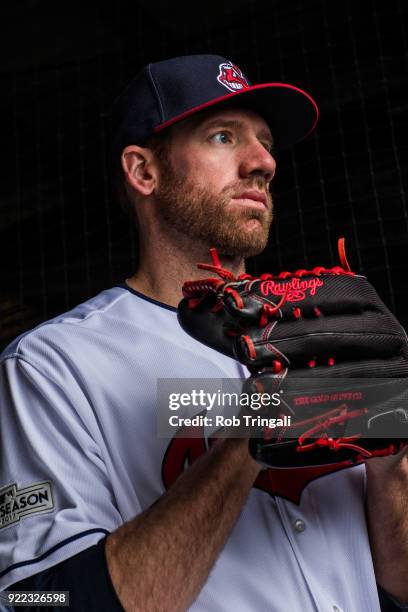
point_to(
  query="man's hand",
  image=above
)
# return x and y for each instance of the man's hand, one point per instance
(387, 516)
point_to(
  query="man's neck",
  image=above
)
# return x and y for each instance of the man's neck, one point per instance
(164, 267)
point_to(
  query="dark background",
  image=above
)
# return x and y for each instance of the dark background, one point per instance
(62, 236)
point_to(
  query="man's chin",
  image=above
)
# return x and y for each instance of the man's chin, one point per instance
(249, 238)
(253, 225)
(245, 246)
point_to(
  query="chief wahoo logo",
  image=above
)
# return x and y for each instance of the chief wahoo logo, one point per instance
(231, 77)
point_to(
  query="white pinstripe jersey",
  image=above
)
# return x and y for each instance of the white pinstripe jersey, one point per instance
(79, 456)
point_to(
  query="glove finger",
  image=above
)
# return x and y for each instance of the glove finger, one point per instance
(321, 349)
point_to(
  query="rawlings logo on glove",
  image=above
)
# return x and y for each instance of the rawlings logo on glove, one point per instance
(295, 289)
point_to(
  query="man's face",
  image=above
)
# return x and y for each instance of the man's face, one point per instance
(214, 182)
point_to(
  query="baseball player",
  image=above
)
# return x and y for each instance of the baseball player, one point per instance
(92, 500)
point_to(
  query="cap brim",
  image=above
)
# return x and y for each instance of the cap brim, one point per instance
(290, 112)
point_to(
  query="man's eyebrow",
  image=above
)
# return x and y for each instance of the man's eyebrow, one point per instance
(263, 133)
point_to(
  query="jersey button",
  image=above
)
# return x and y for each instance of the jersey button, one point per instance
(299, 525)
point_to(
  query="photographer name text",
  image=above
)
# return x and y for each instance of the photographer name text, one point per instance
(244, 420)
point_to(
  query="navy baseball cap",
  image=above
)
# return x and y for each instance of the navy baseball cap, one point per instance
(167, 92)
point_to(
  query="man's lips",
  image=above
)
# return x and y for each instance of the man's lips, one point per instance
(257, 199)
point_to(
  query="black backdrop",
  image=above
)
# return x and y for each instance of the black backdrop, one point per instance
(63, 238)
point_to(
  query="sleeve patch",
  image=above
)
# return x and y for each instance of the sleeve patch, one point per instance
(16, 504)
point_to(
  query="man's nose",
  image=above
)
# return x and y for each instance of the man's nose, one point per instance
(257, 161)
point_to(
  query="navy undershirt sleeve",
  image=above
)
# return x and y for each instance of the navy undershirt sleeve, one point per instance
(85, 576)
(388, 603)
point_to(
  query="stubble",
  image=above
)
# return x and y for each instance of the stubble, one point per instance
(207, 217)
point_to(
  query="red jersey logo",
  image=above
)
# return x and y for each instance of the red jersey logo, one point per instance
(287, 483)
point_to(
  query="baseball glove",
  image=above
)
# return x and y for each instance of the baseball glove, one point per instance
(322, 338)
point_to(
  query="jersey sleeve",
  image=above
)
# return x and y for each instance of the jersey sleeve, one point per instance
(56, 497)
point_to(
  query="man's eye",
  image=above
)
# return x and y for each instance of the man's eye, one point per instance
(221, 137)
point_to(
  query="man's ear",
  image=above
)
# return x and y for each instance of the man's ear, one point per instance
(139, 169)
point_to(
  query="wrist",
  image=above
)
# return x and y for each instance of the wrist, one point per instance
(239, 447)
